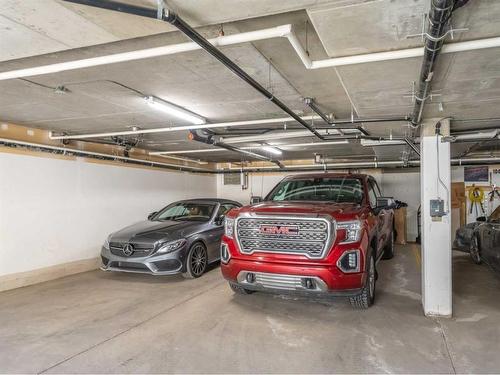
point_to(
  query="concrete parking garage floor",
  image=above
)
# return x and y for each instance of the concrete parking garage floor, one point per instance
(99, 322)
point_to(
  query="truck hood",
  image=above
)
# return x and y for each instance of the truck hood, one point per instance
(336, 210)
(152, 231)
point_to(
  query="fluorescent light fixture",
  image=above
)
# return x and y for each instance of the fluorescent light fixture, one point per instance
(312, 144)
(183, 159)
(272, 150)
(370, 143)
(174, 110)
(200, 151)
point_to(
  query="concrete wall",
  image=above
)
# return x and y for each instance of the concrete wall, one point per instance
(457, 175)
(404, 186)
(56, 211)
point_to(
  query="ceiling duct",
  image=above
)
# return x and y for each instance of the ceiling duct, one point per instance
(439, 17)
(291, 168)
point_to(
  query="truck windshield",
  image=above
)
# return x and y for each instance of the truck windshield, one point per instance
(333, 189)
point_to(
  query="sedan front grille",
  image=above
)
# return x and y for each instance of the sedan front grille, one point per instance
(139, 249)
(307, 236)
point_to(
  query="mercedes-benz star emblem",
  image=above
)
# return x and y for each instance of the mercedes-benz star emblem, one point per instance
(128, 249)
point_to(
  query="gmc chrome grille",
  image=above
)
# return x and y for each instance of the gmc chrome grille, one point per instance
(140, 250)
(308, 236)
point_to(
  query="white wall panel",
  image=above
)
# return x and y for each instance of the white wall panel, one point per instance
(54, 211)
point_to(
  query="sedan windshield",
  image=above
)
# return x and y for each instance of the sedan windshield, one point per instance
(186, 211)
(495, 216)
(334, 189)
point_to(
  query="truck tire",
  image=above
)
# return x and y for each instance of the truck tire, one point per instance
(239, 289)
(389, 247)
(367, 296)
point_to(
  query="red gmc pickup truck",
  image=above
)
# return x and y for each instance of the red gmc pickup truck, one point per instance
(314, 234)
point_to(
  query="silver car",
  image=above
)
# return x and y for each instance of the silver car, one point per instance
(183, 237)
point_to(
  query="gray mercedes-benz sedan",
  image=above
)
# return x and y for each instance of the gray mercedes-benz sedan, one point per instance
(183, 237)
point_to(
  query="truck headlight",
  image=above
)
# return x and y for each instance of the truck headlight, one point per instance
(168, 247)
(352, 230)
(229, 227)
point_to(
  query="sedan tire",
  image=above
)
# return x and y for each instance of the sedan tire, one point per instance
(475, 252)
(196, 262)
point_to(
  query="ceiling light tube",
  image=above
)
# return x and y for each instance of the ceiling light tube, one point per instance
(370, 143)
(201, 151)
(278, 135)
(229, 124)
(312, 144)
(189, 160)
(272, 150)
(174, 110)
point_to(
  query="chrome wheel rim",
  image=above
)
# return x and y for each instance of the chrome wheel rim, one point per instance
(371, 276)
(198, 260)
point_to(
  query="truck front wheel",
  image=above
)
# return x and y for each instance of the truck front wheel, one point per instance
(367, 296)
(238, 289)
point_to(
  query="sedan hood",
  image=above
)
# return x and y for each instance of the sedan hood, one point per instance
(152, 231)
(336, 210)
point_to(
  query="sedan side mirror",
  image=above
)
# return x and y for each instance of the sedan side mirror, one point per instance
(219, 220)
(481, 218)
(255, 200)
(152, 214)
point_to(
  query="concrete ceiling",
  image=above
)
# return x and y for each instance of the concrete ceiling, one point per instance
(109, 97)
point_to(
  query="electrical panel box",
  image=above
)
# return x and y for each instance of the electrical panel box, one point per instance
(437, 208)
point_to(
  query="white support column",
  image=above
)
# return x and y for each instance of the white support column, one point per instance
(436, 232)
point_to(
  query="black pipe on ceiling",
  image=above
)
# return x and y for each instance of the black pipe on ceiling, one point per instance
(439, 15)
(192, 34)
(209, 139)
(84, 154)
(310, 102)
(118, 7)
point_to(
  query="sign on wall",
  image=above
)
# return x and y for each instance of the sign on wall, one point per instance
(232, 179)
(476, 174)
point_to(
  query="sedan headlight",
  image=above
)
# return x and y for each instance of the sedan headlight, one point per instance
(106, 243)
(168, 247)
(229, 227)
(352, 230)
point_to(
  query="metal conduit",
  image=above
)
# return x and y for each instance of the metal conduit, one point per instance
(291, 168)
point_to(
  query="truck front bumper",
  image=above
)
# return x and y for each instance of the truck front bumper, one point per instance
(302, 279)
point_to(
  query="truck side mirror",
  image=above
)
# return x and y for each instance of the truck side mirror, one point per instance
(255, 200)
(152, 214)
(385, 203)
